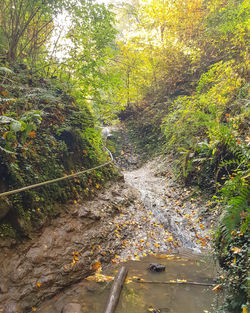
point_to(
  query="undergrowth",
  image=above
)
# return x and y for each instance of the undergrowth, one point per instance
(44, 134)
(208, 135)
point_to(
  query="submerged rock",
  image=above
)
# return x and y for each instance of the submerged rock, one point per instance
(72, 308)
(154, 267)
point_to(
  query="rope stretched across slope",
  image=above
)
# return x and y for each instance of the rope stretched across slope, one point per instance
(7, 193)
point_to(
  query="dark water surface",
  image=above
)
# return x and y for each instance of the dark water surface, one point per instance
(139, 297)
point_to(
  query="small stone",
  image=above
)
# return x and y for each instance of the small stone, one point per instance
(72, 308)
(83, 212)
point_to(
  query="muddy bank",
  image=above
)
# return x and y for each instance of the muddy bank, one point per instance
(65, 251)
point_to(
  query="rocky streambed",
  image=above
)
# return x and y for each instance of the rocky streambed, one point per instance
(146, 213)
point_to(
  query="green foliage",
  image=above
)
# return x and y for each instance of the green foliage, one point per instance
(45, 135)
(208, 134)
(200, 129)
(235, 277)
(25, 27)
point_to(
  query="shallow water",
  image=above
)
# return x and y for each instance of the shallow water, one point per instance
(139, 297)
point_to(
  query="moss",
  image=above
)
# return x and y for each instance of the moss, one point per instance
(7, 231)
(61, 142)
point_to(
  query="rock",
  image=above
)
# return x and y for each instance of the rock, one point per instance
(3, 287)
(72, 308)
(92, 287)
(12, 307)
(154, 267)
(86, 213)
(36, 255)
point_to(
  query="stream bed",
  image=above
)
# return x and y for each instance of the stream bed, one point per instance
(140, 297)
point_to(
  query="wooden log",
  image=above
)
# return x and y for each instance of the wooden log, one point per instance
(172, 282)
(116, 290)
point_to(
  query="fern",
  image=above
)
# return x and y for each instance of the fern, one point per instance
(233, 217)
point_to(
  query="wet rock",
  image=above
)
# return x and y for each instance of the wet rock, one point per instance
(86, 213)
(36, 255)
(69, 228)
(12, 307)
(154, 267)
(92, 287)
(20, 272)
(72, 308)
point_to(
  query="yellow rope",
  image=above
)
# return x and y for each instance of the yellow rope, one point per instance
(7, 193)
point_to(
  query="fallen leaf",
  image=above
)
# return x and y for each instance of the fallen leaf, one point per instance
(4, 93)
(236, 250)
(96, 266)
(32, 134)
(217, 288)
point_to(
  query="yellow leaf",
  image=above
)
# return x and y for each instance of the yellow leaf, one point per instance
(217, 288)
(33, 309)
(38, 284)
(244, 309)
(156, 245)
(236, 250)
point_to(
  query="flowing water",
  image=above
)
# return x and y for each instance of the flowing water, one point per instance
(151, 296)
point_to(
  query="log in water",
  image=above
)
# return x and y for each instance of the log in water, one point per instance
(116, 290)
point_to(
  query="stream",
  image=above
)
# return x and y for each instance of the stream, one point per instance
(139, 297)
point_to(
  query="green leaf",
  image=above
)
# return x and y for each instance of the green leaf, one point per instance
(16, 126)
(5, 69)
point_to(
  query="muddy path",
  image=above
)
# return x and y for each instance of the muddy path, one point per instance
(146, 213)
